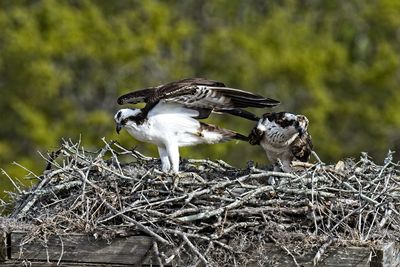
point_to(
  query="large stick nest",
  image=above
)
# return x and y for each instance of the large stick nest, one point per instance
(212, 212)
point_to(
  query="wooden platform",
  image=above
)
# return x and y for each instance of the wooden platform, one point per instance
(82, 250)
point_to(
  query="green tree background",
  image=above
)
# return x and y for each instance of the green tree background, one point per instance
(63, 64)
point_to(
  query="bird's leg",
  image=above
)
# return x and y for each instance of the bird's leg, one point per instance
(173, 155)
(277, 167)
(165, 163)
(286, 166)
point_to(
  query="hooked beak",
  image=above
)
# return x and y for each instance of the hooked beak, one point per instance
(301, 130)
(118, 128)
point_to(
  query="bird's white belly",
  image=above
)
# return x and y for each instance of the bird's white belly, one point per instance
(180, 129)
(170, 128)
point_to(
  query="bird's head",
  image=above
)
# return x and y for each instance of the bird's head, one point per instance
(302, 124)
(126, 117)
(284, 122)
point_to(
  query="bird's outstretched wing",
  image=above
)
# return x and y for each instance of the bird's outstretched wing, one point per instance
(199, 93)
(167, 91)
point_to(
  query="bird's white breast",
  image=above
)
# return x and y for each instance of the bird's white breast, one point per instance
(162, 129)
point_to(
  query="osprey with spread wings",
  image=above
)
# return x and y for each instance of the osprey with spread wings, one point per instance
(170, 117)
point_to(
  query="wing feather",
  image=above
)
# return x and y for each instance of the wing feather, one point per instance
(200, 94)
(135, 97)
(217, 97)
(302, 147)
(256, 135)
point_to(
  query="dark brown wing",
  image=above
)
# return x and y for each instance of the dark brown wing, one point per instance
(210, 94)
(199, 93)
(166, 91)
(243, 99)
(302, 147)
(255, 136)
(200, 81)
(139, 96)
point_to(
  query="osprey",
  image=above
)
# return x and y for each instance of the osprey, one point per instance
(169, 119)
(170, 126)
(284, 137)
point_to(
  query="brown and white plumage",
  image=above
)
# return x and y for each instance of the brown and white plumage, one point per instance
(170, 126)
(284, 137)
(200, 94)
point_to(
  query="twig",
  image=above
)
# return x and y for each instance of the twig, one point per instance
(62, 250)
(312, 203)
(209, 247)
(316, 156)
(29, 201)
(195, 250)
(11, 180)
(157, 254)
(321, 251)
(285, 249)
(139, 225)
(233, 205)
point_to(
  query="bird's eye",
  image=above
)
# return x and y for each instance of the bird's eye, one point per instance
(124, 121)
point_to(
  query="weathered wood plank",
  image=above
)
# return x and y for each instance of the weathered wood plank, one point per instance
(62, 264)
(3, 246)
(383, 256)
(82, 249)
(347, 256)
(388, 256)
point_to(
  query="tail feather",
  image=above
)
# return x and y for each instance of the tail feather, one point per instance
(237, 92)
(244, 103)
(225, 133)
(241, 137)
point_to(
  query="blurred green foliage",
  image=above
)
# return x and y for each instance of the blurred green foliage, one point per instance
(63, 64)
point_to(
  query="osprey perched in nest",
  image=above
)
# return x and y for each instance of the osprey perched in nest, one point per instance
(169, 119)
(284, 137)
